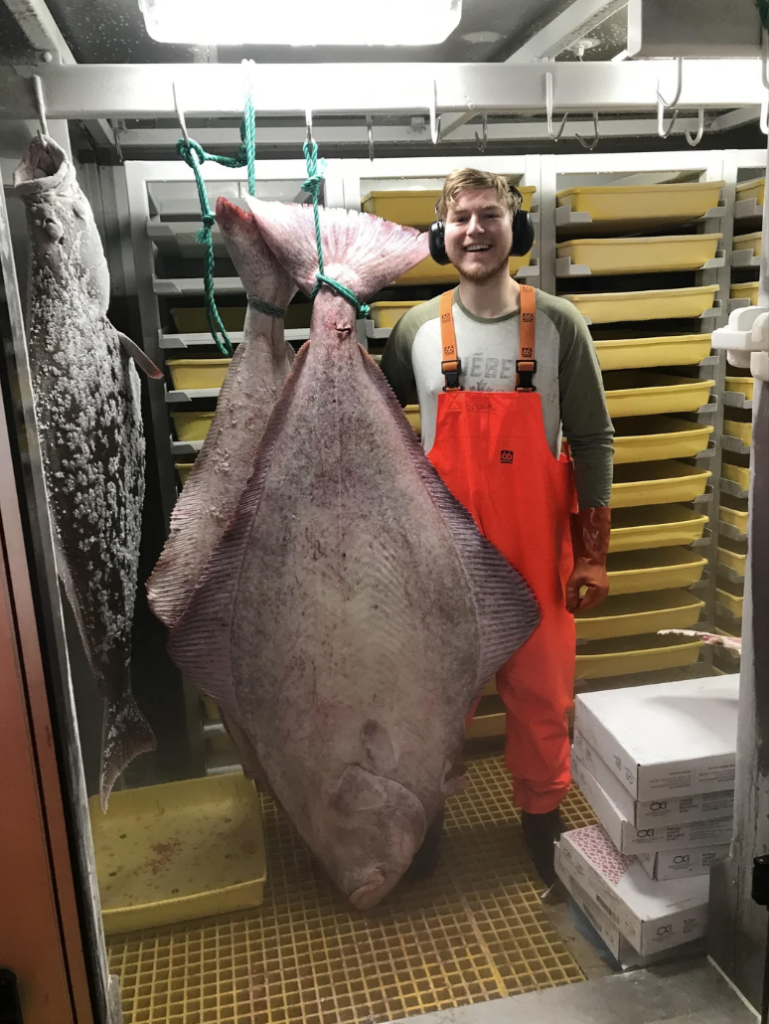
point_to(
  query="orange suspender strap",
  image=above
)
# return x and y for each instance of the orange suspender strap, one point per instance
(451, 365)
(526, 364)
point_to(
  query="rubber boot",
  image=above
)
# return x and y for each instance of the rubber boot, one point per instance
(426, 858)
(541, 831)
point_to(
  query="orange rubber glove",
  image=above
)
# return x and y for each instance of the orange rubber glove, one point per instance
(590, 530)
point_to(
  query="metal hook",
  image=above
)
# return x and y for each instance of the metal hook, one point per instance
(435, 120)
(664, 133)
(679, 86)
(180, 113)
(482, 143)
(695, 140)
(117, 127)
(370, 129)
(308, 122)
(763, 120)
(590, 145)
(765, 58)
(554, 135)
(40, 103)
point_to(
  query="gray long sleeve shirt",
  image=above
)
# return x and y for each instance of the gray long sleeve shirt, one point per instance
(568, 377)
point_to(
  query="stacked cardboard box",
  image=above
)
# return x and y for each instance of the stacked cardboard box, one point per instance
(656, 763)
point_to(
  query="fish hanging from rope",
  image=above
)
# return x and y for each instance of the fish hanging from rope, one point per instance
(352, 612)
(88, 409)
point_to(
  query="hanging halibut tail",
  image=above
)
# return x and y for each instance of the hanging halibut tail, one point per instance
(126, 733)
(362, 252)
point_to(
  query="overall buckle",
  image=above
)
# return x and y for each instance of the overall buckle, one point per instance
(451, 371)
(525, 369)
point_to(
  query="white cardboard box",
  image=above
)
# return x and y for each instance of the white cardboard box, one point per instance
(667, 864)
(612, 937)
(653, 916)
(631, 840)
(666, 739)
(674, 810)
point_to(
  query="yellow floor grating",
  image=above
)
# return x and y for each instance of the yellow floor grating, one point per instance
(475, 931)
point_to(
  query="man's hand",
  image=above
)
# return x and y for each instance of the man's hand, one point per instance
(590, 532)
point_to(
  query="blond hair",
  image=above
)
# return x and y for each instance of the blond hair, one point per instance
(466, 178)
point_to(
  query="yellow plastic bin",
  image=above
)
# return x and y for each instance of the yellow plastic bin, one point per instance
(414, 418)
(634, 255)
(634, 614)
(654, 526)
(416, 207)
(183, 469)
(192, 319)
(741, 429)
(753, 189)
(430, 272)
(748, 290)
(387, 314)
(648, 438)
(192, 426)
(739, 475)
(733, 560)
(640, 393)
(743, 385)
(734, 512)
(624, 656)
(657, 304)
(657, 483)
(640, 572)
(190, 374)
(638, 353)
(643, 204)
(751, 241)
(178, 851)
(732, 602)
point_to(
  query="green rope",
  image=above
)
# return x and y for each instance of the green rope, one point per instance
(312, 188)
(248, 136)
(266, 307)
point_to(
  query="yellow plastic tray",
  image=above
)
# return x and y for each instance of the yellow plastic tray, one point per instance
(750, 241)
(192, 426)
(737, 474)
(416, 207)
(638, 353)
(622, 656)
(633, 614)
(730, 512)
(661, 204)
(741, 429)
(188, 374)
(640, 393)
(414, 418)
(732, 602)
(212, 711)
(732, 560)
(490, 688)
(430, 272)
(640, 572)
(744, 385)
(641, 255)
(178, 851)
(749, 290)
(657, 483)
(387, 314)
(658, 304)
(647, 438)
(753, 189)
(654, 526)
(183, 469)
(192, 319)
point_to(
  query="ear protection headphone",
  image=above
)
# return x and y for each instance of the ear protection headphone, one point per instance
(523, 234)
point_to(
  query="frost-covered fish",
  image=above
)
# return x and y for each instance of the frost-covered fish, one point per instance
(87, 403)
(352, 612)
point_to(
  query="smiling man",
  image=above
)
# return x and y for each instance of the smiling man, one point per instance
(501, 373)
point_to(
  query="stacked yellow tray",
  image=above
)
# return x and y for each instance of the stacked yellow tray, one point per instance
(183, 469)
(657, 483)
(734, 512)
(601, 659)
(642, 393)
(640, 572)
(751, 241)
(748, 290)
(741, 385)
(192, 319)
(731, 557)
(731, 602)
(640, 353)
(632, 255)
(739, 475)
(416, 207)
(191, 374)
(387, 314)
(753, 189)
(654, 526)
(657, 304)
(634, 614)
(192, 426)
(412, 415)
(741, 429)
(430, 272)
(629, 208)
(648, 438)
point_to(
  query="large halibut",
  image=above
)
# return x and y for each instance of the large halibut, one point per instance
(352, 612)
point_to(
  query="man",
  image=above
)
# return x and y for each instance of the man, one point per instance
(501, 371)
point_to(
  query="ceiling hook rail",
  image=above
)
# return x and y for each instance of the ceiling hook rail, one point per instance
(590, 144)
(40, 104)
(695, 140)
(481, 143)
(370, 131)
(180, 113)
(435, 118)
(554, 135)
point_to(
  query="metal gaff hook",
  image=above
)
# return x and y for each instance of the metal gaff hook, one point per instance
(435, 120)
(590, 145)
(308, 122)
(40, 104)
(662, 105)
(695, 140)
(180, 113)
(482, 143)
(370, 130)
(554, 135)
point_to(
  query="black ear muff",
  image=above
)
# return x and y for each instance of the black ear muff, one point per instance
(437, 243)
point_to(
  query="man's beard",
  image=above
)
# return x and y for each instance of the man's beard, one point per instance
(482, 276)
